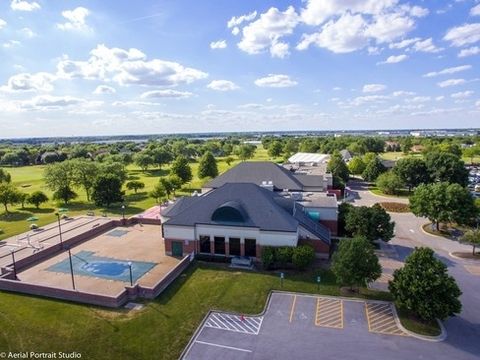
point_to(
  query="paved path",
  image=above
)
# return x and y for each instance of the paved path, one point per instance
(463, 330)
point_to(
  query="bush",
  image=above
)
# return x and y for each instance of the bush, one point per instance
(283, 255)
(303, 256)
(33, 227)
(268, 257)
(389, 183)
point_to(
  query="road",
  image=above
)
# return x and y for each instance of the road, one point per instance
(464, 329)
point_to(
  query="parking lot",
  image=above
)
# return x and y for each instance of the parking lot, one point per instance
(298, 326)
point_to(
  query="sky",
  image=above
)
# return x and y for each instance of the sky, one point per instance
(71, 68)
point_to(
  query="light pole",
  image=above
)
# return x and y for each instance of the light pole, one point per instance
(59, 228)
(131, 275)
(123, 214)
(12, 251)
(71, 268)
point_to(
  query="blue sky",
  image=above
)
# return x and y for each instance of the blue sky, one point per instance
(122, 67)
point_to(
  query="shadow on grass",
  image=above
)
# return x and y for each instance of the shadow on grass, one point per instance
(148, 173)
(39, 210)
(136, 197)
(15, 216)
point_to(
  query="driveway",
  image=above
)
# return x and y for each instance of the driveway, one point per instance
(464, 329)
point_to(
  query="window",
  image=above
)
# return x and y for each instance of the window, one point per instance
(251, 247)
(219, 245)
(234, 246)
(205, 244)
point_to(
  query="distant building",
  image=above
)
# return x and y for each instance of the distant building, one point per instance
(312, 159)
(346, 155)
(417, 148)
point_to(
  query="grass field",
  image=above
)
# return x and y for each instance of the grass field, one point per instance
(159, 331)
(401, 193)
(30, 179)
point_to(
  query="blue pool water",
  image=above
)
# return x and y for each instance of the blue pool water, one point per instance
(86, 263)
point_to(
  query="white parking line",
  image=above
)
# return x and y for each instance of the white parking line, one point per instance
(223, 346)
(245, 325)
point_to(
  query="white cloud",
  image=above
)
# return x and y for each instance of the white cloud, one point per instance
(427, 46)
(276, 81)
(265, 33)
(27, 32)
(451, 82)
(347, 34)
(389, 27)
(11, 43)
(104, 89)
(394, 59)
(419, 99)
(3, 23)
(404, 43)
(128, 67)
(463, 35)
(41, 81)
(439, 98)
(222, 85)
(220, 44)
(462, 94)
(448, 71)
(474, 50)
(238, 20)
(21, 5)
(361, 100)
(76, 19)
(403, 93)
(373, 88)
(168, 93)
(475, 11)
(49, 101)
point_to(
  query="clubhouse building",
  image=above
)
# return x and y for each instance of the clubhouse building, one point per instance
(252, 205)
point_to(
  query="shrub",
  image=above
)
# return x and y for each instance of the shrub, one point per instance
(283, 255)
(303, 256)
(268, 257)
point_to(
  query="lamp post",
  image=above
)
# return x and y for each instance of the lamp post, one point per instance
(12, 251)
(131, 275)
(71, 268)
(59, 228)
(123, 214)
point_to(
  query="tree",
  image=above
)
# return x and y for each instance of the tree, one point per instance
(373, 170)
(5, 176)
(37, 198)
(275, 149)
(114, 168)
(356, 166)
(303, 256)
(246, 151)
(207, 166)
(158, 193)
(135, 185)
(175, 181)
(412, 171)
(471, 237)
(424, 287)
(355, 263)
(471, 152)
(389, 183)
(372, 223)
(84, 174)
(22, 199)
(167, 185)
(337, 167)
(283, 255)
(161, 156)
(143, 160)
(65, 194)
(229, 160)
(9, 195)
(268, 257)
(107, 190)
(446, 167)
(60, 176)
(443, 202)
(181, 168)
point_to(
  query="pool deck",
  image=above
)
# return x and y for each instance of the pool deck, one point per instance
(140, 243)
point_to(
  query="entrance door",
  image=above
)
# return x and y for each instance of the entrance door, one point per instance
(251, 247)
(177, 248)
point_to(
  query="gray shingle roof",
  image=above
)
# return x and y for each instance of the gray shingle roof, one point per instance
(256, 172)
(264, 209)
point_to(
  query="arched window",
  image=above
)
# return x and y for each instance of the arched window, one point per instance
(231, 211)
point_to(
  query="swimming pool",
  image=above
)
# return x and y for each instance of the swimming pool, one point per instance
(86, 263)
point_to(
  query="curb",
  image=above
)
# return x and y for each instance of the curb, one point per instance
(432, 235)
(468, 261)
(438, 338)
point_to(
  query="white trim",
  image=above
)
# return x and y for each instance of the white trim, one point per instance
(223, 346)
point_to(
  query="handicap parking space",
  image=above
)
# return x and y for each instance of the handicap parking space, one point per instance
(381, 319)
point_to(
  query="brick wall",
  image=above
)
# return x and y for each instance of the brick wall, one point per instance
(332, 225)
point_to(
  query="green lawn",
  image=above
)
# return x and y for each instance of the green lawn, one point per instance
(403, 193)
(162, 329)
(412, 323)
(30, 179)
